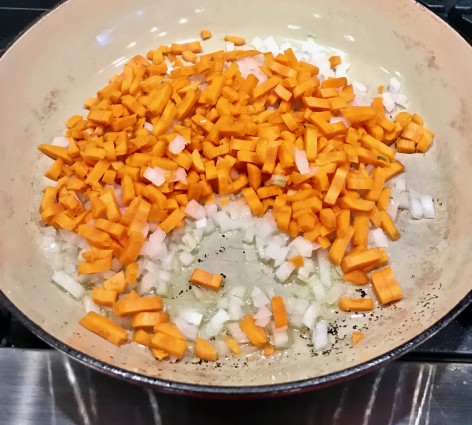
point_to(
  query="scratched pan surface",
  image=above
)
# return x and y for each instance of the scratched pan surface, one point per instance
(69, 54)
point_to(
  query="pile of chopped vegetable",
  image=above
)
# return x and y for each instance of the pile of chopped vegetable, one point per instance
(183, 142)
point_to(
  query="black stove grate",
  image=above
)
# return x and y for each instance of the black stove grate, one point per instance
(452, 343)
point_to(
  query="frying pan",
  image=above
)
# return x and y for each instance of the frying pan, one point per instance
(69, 54)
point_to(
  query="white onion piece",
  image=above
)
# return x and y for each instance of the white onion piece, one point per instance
(415, 208)
(262, 313)
(301, 161)
(189, 242)
(320, 335)
(236, 332)
(189, 330)
(235, 310)
(223, 221)
(201, 223)
(89, 305)
(262, 322)
(191, 316)
(403, 200)
(68, 284)
(401, 100)
(216, 323)
(195, 210)
(394, 86)
(307, 269)
(279, 336)
(302, 246)
(223, 303)
(297, 306)
(155, 175)
(388, 102)
(221, 347)
(428, 206)
(311, 315)
(147, 283)
(259, 298)
(181, 175)
(186, 258)
(148, 126)
(276, 252)
(178, 144)
(333, 293)
(379, 238)
(284, 271)
(237, 291)
(324, 267)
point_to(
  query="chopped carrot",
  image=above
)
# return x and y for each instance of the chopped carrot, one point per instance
(357, 337)
(126, 306)
(206, 34)
(279, 312)
(233, 345)
(104, 327)
(356, 304)
(104, 297)
(256, 335)
(170, 329)
(142, 337)
(385, 286)
(269, 350)
(205, 351)
(297, 261)
(116, 283)
(132, 273)
(363, 259)
(241, 137)
(149, 319)
(170, 345)
(206, 279)
(358, 277)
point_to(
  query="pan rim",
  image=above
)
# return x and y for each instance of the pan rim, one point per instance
(251, 391)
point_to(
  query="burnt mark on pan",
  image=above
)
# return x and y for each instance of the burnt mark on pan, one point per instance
(49, 106)
(429, 62)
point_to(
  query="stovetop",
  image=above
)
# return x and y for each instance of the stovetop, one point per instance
(430, 385)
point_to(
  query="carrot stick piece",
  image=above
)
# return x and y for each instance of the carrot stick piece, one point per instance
(159, 354)
(170, 329)
(104, 297)
(172, 220)
(149, 319)
(339, 246)
(173, 346)
(131, 274)
(357, 337)
(253, 200)
(356, 304)
(205, 351)
(388, 226)
(385, 286)
(256, 334)
(208, 280)
(358, 277)
(142, 337)
(104, 327)
(297, 261)
(233, 345)
(126, 306)
(116, 282)
(279, 312)
(363, 259)
(336, 186)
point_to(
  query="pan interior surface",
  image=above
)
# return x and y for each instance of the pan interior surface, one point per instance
(48, 73)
